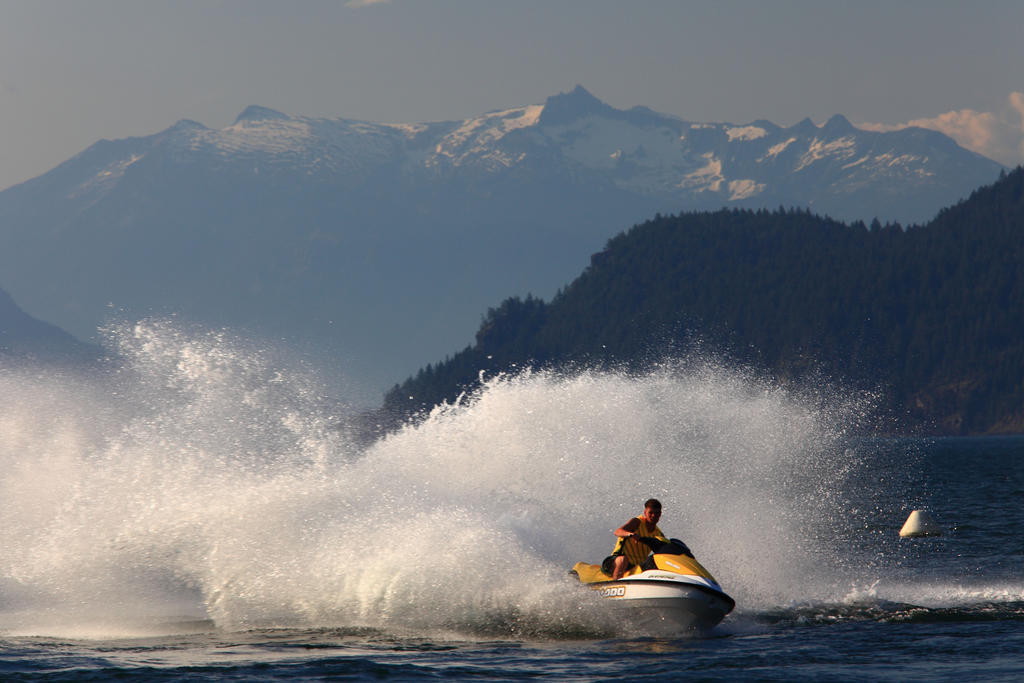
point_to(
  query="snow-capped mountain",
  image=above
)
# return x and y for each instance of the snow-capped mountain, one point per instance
(836, 169)
(388, 241)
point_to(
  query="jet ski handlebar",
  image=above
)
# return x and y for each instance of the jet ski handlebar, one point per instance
(673, 546)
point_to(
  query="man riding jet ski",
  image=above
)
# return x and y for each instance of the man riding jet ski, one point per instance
(667, 590)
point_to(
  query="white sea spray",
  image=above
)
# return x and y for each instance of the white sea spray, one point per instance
(203, 477)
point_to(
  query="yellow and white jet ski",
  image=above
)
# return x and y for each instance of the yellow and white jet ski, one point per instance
(670, 592)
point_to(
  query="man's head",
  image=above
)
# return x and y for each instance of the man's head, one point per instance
(652, 510)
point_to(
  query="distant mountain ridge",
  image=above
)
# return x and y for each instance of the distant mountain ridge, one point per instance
(382, 243)
(24, 338)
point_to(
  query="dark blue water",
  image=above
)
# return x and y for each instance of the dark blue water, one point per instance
(948, 608)
(860, 650)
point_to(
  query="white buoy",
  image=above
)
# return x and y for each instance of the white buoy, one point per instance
(920, 523)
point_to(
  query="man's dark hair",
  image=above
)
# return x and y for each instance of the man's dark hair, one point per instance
(652, 503)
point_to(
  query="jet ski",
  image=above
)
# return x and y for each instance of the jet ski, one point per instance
(670, 592)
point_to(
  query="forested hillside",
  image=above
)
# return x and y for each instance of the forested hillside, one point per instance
(932, 315)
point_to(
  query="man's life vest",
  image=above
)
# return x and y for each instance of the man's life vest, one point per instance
(635, 551)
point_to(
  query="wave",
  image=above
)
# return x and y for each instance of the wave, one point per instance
(886, 612)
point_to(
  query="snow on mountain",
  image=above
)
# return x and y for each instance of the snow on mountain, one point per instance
(475, 139)
(744, 189)
(776, 150)
(745, 133)
(106, 178)
(839, 150)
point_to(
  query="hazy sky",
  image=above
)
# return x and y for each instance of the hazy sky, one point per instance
(74, 72)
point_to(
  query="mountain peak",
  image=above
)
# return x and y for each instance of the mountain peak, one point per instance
(566, 107)
(838, 124)
(187, 124)
(257, 113)
(806, 126)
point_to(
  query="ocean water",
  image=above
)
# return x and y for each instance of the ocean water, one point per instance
(199, 510)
